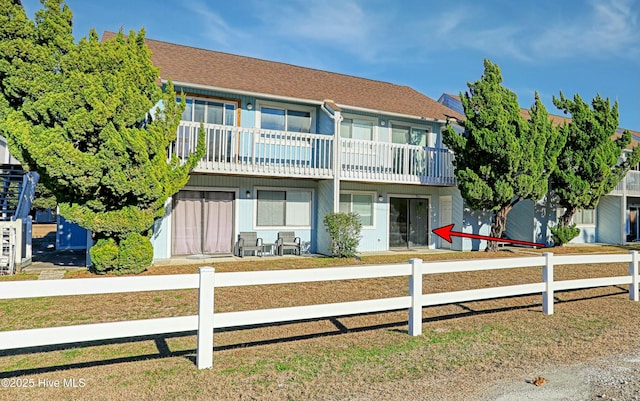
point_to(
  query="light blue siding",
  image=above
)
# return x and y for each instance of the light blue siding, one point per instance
(376, 238)
(325, 124)
(609, 218)
(520, 221)
(545, 217)
(587, 235)
(475, 222)
(244, 209)
(161, 236)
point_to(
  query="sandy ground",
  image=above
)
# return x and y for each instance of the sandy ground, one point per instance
(613, 378)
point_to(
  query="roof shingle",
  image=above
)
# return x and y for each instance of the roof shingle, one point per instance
(239, 73)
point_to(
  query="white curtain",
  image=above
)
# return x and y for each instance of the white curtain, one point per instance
(196, 213)
(218, 222)
(187, 223)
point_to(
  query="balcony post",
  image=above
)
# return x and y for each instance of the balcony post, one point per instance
(337, 162)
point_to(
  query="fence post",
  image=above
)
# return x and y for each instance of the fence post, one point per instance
(547, 277)
(415, 292)
(204, 352)
(633, 272)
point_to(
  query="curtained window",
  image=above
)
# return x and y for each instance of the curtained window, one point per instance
(290, 208)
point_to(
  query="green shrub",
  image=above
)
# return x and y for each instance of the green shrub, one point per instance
(133, 255)
(563, 234)
(104, 255)
(136, 254)
(344, 232)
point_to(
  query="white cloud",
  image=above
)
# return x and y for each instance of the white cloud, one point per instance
(386, 32)
(214, 27)
(609, 28)
(344, 25)
(594, 30)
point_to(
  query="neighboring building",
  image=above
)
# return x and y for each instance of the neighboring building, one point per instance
(615, 220)
(285, 145)
(17, 190)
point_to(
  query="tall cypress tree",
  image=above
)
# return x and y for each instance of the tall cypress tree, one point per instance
(80, 114)
(591, 162)
(501, 158)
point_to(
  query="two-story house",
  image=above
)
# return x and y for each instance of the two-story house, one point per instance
(285, 145)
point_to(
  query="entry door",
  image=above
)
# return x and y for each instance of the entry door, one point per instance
(202, 222)
(445, 217)
(408, 222)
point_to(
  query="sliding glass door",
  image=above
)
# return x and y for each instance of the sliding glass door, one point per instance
(202, 222)
(408, 222)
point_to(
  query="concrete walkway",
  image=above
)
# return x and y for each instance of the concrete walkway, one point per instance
(51, 274)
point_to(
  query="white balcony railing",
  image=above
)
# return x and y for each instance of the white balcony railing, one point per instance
(257, 151)
(632, 183)
(392, 162)
(254, 151)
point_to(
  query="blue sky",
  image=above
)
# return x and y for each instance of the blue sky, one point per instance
(574, 46)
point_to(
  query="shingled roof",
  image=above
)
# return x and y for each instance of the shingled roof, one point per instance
(231, 72)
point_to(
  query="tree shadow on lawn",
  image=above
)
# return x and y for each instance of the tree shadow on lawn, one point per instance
(164, 350)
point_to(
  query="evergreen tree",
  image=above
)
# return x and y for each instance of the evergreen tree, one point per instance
(590, 164)
(501, 158)
(80, 115)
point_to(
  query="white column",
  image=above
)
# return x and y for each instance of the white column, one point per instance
(337, 161)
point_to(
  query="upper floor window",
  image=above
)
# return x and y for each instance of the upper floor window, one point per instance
(285, 119)
(355, 128)
(210, 112)
(412, 135)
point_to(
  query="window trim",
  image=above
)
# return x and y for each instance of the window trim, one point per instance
(586, 224)
(374, 120)
(374, 197)
(285, 106)
(431, 241)
(426, 127)
(212, 99)
(254, 198)
(560, 211)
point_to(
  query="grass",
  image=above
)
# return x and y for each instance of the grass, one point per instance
(366, 356)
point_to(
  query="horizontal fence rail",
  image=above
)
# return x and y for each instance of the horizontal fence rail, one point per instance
(205, 322)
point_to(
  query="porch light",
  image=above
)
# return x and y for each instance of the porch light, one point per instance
(249, 106)
(380, 198)
(248, 194)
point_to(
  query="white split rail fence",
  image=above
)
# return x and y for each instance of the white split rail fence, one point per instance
(207, 280)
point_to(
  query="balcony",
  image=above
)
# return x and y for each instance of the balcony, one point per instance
(632, 183)
(259, 152)
(393, 162)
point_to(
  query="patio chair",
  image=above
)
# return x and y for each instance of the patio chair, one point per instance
(288, 240)
(249, 241)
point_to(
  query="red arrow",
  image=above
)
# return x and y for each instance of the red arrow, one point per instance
(446, 233)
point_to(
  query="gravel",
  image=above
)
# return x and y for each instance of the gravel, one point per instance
(615, 379)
